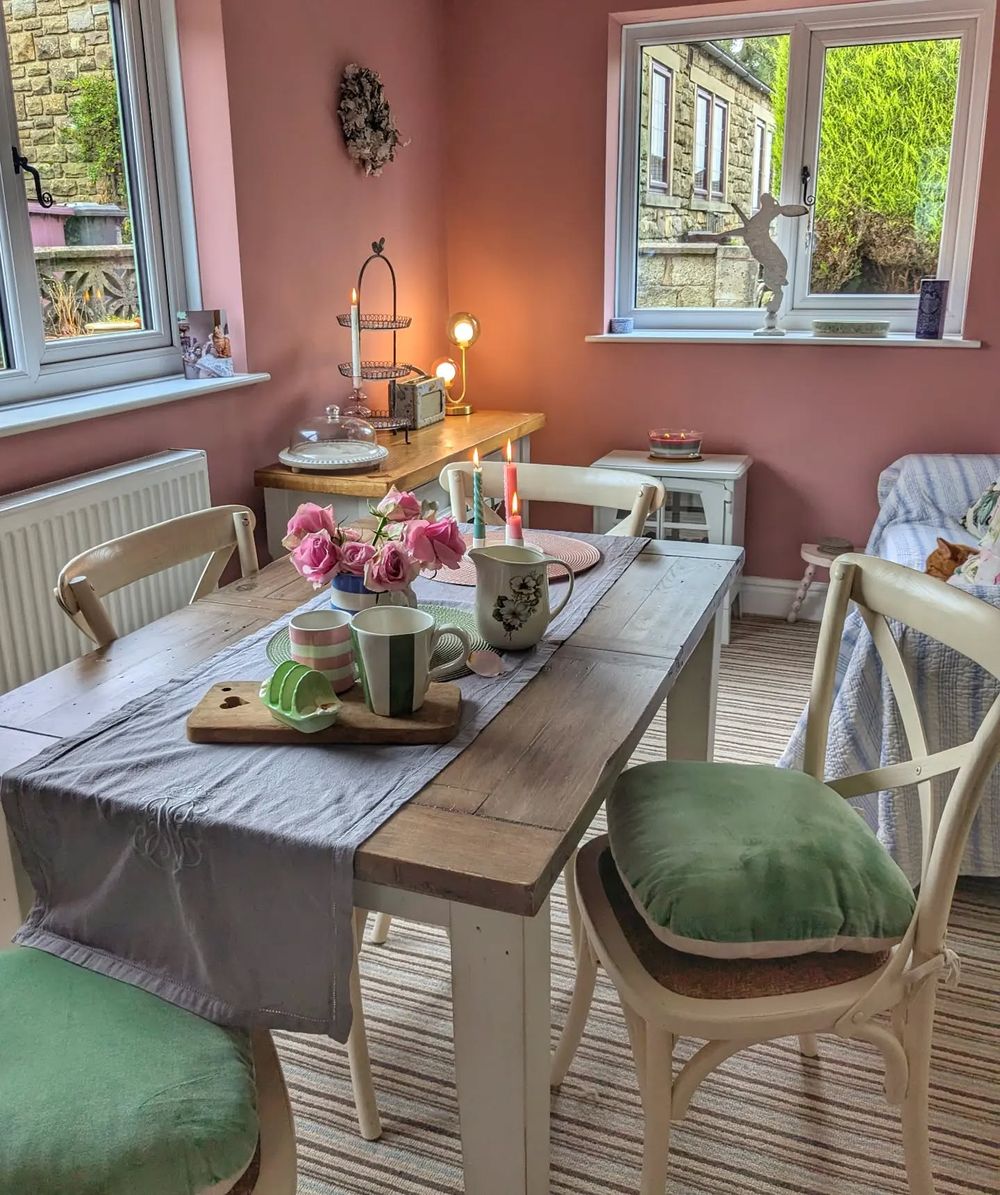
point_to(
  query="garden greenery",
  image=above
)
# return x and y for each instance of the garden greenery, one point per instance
(93, 134)
(885, 145)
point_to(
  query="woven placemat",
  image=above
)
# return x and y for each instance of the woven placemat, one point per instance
(579, 556)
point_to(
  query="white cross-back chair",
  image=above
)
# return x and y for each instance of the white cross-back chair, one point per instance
(217, 532)
(904, 986)
(619, 490)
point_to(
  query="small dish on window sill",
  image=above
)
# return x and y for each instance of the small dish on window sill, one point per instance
(873, 328)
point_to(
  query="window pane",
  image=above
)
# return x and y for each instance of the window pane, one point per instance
(721, 92)
(68, 104)
(701, 132)
(758, 163)
(882, 175)
(659, 119)
(719, 131)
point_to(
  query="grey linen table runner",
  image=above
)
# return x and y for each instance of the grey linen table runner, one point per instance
(220, 877)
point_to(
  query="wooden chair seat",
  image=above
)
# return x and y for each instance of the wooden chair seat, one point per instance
(720, 979)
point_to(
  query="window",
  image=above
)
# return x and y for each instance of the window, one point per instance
(710, 153)
(90, 278)
(815, 106)
(660, 131)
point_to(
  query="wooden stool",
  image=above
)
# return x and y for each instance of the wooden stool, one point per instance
(815, 557)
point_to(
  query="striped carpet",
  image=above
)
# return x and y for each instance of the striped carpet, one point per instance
(766, 1123)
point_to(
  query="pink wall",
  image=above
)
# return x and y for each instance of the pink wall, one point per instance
(525, 235)
(305, 224)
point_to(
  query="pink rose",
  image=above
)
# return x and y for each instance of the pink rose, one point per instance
(391, 569)
(317, 558)
(436, 545)
(399, 507)
(354, 555)
(309, 518)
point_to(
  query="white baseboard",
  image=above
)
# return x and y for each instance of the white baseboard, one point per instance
(772, 598)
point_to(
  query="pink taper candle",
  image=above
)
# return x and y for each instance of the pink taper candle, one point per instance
(509, 479)
(515, 532)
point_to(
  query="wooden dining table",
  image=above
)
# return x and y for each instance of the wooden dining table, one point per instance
(479, 849)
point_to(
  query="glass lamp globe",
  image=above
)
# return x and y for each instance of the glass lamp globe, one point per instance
(463, 329)
(446, 369)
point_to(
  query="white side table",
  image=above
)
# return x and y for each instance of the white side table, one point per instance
(720, 484)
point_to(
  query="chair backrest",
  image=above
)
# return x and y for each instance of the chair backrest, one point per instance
(886, 594)
(216, 532)
(617, 489)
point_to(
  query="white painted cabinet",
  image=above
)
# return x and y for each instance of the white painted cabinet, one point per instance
(705, 500)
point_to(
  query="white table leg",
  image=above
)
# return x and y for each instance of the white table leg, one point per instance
(500, 994)
(803, 592)
(691, 702)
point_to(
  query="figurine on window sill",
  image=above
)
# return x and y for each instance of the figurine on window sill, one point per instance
(756, 234)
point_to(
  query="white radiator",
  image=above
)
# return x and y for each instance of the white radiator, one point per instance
(42, 528)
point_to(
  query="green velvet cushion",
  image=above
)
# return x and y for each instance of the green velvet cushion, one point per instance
(749, 861)
(107, 1090)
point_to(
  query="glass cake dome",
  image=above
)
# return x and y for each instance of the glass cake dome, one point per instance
(331, 442)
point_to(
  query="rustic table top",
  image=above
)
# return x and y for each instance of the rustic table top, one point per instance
(413, 464)
(499, 823)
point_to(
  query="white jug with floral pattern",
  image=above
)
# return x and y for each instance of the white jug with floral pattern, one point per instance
(512, 594)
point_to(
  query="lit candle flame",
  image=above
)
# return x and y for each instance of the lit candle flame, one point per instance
(354, 296)
(513, 503)
(475, 457)
(510, 452)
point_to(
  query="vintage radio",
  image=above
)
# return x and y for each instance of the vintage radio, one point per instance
(420, 401)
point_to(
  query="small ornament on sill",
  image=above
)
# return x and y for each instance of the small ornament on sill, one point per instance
(621, 325)
(206, 350)
(756, 234)
(931, 308)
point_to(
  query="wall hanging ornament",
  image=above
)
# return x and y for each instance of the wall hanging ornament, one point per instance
(369, 129)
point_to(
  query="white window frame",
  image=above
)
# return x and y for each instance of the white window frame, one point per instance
(40, 369)
(811, 30)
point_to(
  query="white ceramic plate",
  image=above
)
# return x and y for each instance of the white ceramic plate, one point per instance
(334, 455)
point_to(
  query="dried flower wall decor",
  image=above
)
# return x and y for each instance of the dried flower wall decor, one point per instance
(369, 129)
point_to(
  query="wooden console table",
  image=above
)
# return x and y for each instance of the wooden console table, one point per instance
(414, 466)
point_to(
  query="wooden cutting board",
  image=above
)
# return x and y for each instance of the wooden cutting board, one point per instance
(232, 712)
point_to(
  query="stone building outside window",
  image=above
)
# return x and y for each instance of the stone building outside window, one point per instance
(706, 141)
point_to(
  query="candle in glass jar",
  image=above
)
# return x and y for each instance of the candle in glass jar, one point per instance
(478, 522)
(509, 478)
(515, 532)
(355, 339)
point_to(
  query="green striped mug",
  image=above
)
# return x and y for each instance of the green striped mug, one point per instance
(393, 646)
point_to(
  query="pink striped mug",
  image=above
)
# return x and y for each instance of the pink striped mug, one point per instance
(322, 640)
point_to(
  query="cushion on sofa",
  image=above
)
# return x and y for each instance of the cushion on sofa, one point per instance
(108, 1090)
(751, 861)
(977, 518)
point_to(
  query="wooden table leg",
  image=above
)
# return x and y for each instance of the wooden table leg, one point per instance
(691, 702)
(500, 994)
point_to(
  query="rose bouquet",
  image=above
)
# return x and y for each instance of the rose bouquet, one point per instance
(385, 559)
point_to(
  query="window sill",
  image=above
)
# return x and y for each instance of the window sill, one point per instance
(52, 412)
(895, 340)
